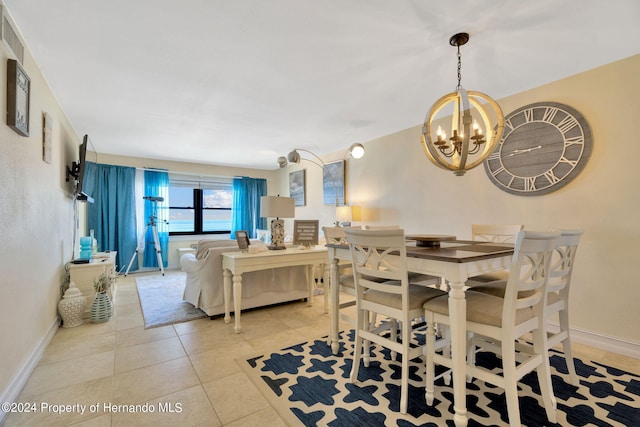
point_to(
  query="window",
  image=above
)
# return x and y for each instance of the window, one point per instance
(200, 207)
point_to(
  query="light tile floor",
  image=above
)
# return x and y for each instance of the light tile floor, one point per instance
(189, 370)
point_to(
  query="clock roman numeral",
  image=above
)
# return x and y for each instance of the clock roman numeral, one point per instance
(528, 114)
(567, 124)
(549, 114)
(579, 140)
(573, 163)
(494, 156)
(508, 126)
(530, 184)
(497, 171)
(551, 177)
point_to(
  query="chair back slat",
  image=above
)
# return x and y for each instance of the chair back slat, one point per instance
(495, 233)
(380, 254)
(563, 259)
(529, 274)
(334, 235)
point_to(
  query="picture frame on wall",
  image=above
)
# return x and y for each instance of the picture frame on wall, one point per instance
(47, 130)
(333, 183)
(18, 93)
(297, 187)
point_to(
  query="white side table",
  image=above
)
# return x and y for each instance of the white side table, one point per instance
(83, 274)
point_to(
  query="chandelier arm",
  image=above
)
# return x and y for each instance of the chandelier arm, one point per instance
(466, 125)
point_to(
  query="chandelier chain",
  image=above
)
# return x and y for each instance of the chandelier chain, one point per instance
(459, 69)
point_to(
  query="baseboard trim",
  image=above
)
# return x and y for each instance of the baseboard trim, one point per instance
(11, 393)
(603, 342)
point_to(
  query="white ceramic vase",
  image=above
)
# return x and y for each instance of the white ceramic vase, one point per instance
(71, 307)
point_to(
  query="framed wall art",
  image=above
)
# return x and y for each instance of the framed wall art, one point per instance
(333, 183)
(297, 187)
(47, 130)
(18, 91)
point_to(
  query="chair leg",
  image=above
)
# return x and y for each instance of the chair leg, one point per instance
(404, 382)
(510, 381)
(357, 347)
(566, 347)
(430, 363)
(393, 326)
(544, 373)
(366, 319)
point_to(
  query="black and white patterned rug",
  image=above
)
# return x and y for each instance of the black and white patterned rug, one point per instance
(310, 386)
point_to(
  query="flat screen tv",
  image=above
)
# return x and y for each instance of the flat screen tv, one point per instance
(77, 171)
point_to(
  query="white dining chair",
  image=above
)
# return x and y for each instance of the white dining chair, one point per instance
(382, 254)
(560, 275)
(503, 321)
(337, 235)
(494, 233)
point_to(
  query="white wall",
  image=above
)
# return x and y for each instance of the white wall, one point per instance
(36, 225)
(395, 183)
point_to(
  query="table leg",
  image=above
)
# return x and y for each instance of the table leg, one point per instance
(311, 284)
(237, 300)
(325, 285)
(227, 295)
(334, 313)
(458, 314)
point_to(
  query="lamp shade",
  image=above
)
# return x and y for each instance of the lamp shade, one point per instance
(277, 207)
(348, 213)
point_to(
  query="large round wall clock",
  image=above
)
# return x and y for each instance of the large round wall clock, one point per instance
(544, 146)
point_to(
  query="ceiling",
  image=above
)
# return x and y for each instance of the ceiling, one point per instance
(241, 82)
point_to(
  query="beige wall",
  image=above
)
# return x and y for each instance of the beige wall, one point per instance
(36, 225)
(395, 183)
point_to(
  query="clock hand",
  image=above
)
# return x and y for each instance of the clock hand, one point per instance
(526, 150)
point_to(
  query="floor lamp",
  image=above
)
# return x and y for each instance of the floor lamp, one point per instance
(356, 151)
(277, 207)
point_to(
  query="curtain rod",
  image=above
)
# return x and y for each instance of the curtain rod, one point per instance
(193, 174)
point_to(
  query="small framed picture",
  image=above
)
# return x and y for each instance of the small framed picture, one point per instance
(243, 239)
(296, 187)
(18, 91)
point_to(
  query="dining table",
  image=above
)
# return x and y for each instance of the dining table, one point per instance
(452, 260)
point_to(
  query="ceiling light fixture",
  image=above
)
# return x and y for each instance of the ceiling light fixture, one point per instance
(469, 109)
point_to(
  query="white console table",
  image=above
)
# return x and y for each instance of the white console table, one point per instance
(83, 274)
(234, 264)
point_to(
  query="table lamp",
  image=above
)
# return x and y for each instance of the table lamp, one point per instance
(346, 214)
(277, 207)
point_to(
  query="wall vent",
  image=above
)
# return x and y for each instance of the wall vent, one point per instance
(9, 36)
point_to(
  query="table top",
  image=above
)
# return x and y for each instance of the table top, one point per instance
(457, 251)
(274, 253)
(99, 258)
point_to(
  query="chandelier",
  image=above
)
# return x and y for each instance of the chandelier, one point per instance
(477, 123)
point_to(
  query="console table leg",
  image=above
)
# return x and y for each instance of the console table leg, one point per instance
(227, 295)
(311, 284)
(237, 300)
